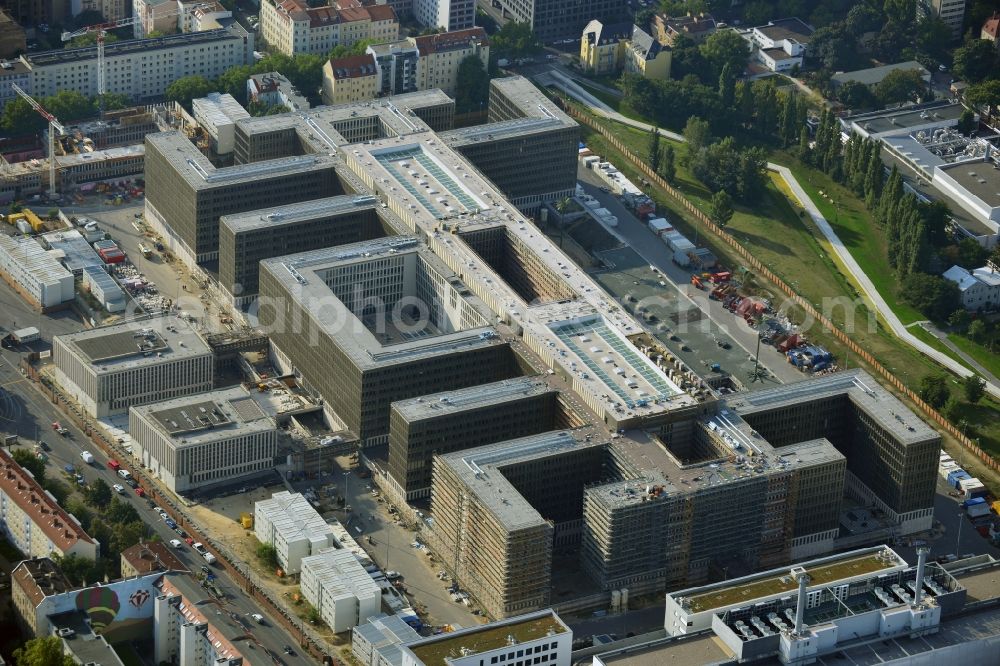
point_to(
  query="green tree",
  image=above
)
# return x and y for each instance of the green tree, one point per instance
(720, 210)
(653, 151)
(79, 570)
(789, 120)
(833, 48)
(727, 85)
(952, 410)
(855, 95)
(933, 38)
(187, 88)
(98, 494)
(973, 388)
(68, 105)
(967, 122)
(668, 168)
(126, 535)
(89, 39)
(862, 18)
(960, 320)
(726, 47)
(976, 61)
(697, 134)
(113, 101)
(120, 512)
(934, 390)
(18, 118)
(26, 459)
(268, 555)
(473, 85)
(900, 86)
(76, 506)
(971, 254)
(932, 295)
(515, 40)
(45, 651)
(986, 93)
(977, 331)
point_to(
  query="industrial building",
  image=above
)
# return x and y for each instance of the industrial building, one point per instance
(339, 588)
(376, 322)
(34, 273)
(422, 427)
(517, 641)
(104, 289)
(246, 239)
(32, 520)
(205, 439)
(140, 69)
(217, 114)
(654, 509)
(111, 368)
(289, 523)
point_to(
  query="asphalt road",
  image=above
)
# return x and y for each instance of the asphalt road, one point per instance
(24, 409)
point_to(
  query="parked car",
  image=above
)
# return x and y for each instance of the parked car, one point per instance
(119, 488)
(139, 491)
(176, 543)
(114, 464)
(257, 617)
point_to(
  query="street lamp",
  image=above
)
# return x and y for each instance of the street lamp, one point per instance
(347, 478)
(958, 537)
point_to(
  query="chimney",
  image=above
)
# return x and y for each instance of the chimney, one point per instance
(918, 591)
(800, 606)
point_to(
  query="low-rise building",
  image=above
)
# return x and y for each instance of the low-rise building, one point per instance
(274, 89)
(111, 368)
(872, 76)
(339, 588)
(217, 114)
(379, 631)
(293, 27)
(149, 557)
(980, 287)
(523, 639)
(696, 27)
(780, 45)
(33, 521)
(104, 289)
(204, 440)
(289, 523)
(350, 79)
(608, 49)
(34, 273)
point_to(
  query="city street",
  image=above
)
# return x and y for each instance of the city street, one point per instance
(27, 410)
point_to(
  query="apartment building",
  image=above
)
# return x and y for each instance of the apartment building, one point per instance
(443, 53)
(528, 150)
(381, 321)
(420, 428)
(141, 69)
(979, 288)
(274, 89)
(34, 273)
(202, 440)
(289, 523)
(149, 557)
(187, 631)
(449, 15)
(696, 27)
(350, 79)
(245, 239)
(556, 19)
(339, 588)
(13, 71)
(951, 13)
(33, 521)
(161, 16)
(397, 64)
(109, 369)
(293, 27)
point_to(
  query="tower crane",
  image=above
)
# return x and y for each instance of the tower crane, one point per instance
(102, 30)
(54, 126)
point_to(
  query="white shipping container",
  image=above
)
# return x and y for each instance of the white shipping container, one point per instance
(659, 225)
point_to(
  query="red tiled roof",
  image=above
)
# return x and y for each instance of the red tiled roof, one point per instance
(322, 16)
(350, 14)
(353, 67)
(28, 494)
(382, 13)
(449, 41)
(992, 26)
(154, 556)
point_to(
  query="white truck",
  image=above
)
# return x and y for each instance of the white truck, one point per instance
(198, 546)
(88, 457)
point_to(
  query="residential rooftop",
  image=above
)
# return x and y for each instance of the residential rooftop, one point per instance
(135, 343)
(84, 644)
(437, 650)
(39, 578)
(147, 557)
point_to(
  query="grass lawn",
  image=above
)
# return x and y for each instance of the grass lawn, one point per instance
(925, 337)
(983, 356)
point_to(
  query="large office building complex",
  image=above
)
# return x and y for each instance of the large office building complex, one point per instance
(109, 369)
(757, 479)
(420, 428)
(202, 440)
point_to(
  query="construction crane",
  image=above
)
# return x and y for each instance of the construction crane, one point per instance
(54, 126)
(102, 30)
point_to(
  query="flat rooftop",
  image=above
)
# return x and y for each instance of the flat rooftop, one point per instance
(864, 392)
(205, 417)
(822, 572)
(697, 650)
(899, 120)
(435, 651)
(429, 181)
(479, 469)
(305, 211)
(787, 28)
(530, 101)
(86, 646)
(303, 276)
(474, 397)
(133, 46)
(139, 342)
(503, 130)
(981, 179)
(873, 75)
